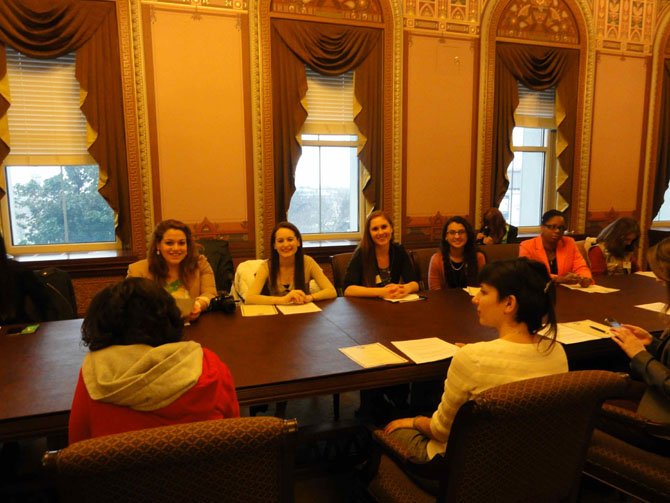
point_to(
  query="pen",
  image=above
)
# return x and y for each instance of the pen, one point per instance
(598, 329)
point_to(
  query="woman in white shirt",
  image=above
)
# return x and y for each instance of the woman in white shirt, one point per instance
(516, 299)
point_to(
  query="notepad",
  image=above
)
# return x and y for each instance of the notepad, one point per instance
(308, 307)
(258, 310)
(590, 288)
(582, 331)
(410, 297)
(657, 307)
(430, 349)
(372, 355)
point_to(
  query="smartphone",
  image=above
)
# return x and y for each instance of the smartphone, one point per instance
(23, 329)
(612, 323)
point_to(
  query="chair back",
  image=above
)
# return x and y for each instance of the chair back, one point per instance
(218, 255)
(526, 440)
(502, 251)
(243, 459)
(339, 263)
(62, 303)
(244, 277)
(421, 260)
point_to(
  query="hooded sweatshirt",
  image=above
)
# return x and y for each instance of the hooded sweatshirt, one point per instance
(125, 388)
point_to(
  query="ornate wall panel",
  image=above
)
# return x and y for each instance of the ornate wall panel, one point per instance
(547, 21)
(625, 26)
(455, 17)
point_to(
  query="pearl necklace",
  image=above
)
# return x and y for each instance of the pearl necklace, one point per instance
(453, 267)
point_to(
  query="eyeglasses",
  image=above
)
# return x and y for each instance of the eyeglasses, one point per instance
(559, 228)
(456, 233)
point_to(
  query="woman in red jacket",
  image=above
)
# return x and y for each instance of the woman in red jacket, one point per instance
(139, 373)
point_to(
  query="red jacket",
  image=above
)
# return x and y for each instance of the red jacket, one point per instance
(213, 397)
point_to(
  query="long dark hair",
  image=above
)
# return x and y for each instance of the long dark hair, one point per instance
(658, 257)
(157, 265)
(469, 250)
(298, 268)
(531, 285)
(614, 235)
(495, 222)
(8, 307)
(134, 311)
(367, 248)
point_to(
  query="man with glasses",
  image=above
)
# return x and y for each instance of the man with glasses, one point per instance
(559, 253)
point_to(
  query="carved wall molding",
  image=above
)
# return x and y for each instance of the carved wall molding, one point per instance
(490, 22)
(443, 17)
(625, 26)
(349, 10)
(549, 21)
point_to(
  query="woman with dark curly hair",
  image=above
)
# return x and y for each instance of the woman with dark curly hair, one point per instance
(458, 262)
(614, 249)
(175, 264)
(139, 373)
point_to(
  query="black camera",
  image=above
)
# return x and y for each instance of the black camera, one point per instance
(224, 303)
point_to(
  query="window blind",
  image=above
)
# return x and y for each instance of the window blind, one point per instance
(44, 115)
(536, 108)
(329, 103)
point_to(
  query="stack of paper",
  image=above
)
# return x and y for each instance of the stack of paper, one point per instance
(590, 288)
(410, 297)
(372, 355)
(431, 349)
(581, 331)
(309, 307)
(258, 310)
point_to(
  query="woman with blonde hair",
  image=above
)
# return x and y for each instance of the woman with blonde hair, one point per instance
(176, 265)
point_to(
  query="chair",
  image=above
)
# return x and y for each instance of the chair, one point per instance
(502, 251)
(421, 259)
(339, 263)
(62, 303)
(522, 441)
(219, 257)
(244, 277)
(243, 459)
(630, 468)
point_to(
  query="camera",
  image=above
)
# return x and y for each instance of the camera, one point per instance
(223, 302)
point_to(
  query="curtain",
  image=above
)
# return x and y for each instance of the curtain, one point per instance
(330, 50)
(51, 28)
(662, 177)
(537, 68)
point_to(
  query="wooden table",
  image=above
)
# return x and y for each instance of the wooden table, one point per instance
(283, 357)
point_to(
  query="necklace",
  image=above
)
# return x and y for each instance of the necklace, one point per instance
(453, 267)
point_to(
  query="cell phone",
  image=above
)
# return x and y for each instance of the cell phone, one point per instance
(23, 329)
(612, 323)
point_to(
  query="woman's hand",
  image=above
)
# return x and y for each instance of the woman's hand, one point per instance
(195, 313)
(644, 336)
(628, 341)
(393, 291)
(572, 279)
(294, 297)
(397, 424)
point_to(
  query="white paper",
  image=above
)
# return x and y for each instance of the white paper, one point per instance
(590, 288)
(657, 307)
(431, 349)
(309, 307)
(581, 331)
(258, 310)
(185, 305)
(472, 290)
(648, 274)
(410, 297)
(372, 355)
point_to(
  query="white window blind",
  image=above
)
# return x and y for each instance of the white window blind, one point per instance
(329, 103)
(536, 108)
(44, 115)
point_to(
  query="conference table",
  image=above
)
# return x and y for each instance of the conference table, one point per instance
(282, 357)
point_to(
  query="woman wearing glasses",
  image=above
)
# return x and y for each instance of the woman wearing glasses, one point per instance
(458, 262)
(557, 252)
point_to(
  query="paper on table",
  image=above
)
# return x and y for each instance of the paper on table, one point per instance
(472, 290)
(580, 331)
(410, 297)
(431, 349)
(591, 288)
(309, 307)
(649, 274)
(657, 307)
(372, 355)
(258, 310)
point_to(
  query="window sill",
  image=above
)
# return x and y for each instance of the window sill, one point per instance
(321, 251)
(82, 264)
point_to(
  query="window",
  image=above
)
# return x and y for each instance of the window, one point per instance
(663, 215)
(327, 201)
(531, 174)
(52, 203)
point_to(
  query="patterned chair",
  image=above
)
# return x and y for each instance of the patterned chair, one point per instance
(522, 441)
(246, 459)
(339, 264)
(631, 467)
(421, 259)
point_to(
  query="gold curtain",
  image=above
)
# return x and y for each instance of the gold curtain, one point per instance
(331, 50)
(51, 28)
